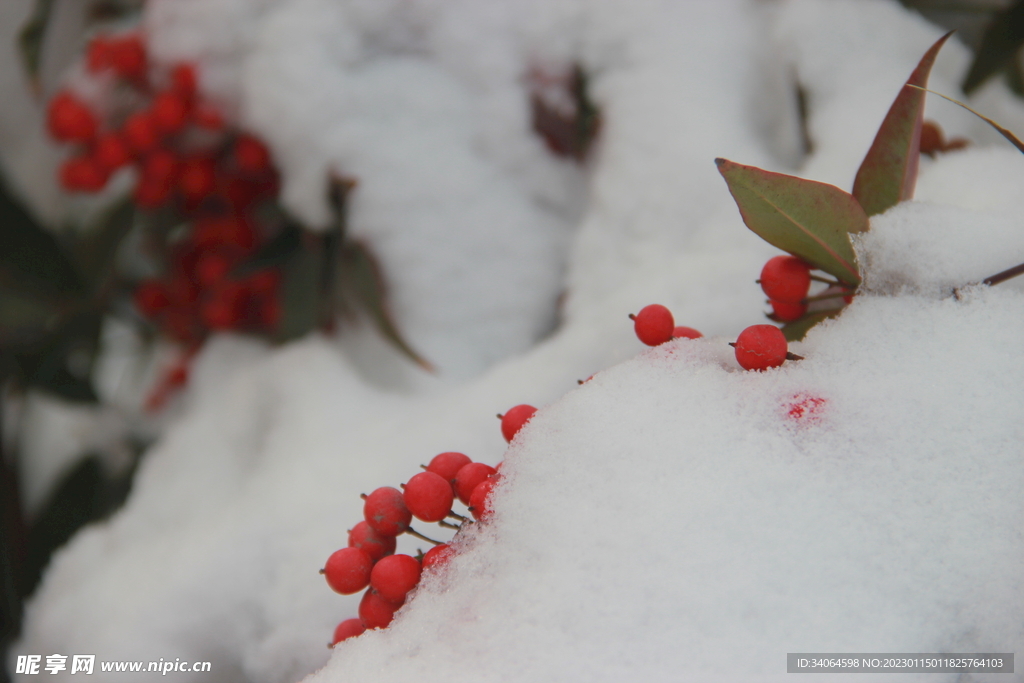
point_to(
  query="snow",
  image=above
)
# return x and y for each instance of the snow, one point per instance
(670, 519)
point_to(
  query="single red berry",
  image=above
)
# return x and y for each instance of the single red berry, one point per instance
(69, 119)
(428, 496)
(197, 179)
(373, 544)
(480, 500)
(212, 267)
(161, 165)
(394, 576)
(128, 57)
(98, 55)
(786, 279)
(514, 419)
(185, 80)
(348, 571)
(251, 155)
(151, 194)
(170, 111)
(177, 376)
(685, 333)
(447, 465)
(787, 313)
(350, 628)
(217, 231)
(438, 556)
(760, 347)
(112, 151)
(82, 174)
(653, 324)
(375, 611)
(224, 307)
(141, 133)
(151, 297)
(468, 477)
(385, 511)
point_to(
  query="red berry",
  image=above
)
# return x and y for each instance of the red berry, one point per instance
(428, 496)
(468, 478)
(514, 419)
(786, 279)
(760, 347)
(373, 544)
(212, 267)
(112, 151)
(197, 179)
(375, 611)
(184, 80)
(350, 628)
(224, 308)
(385, 511)
(69, 119)
(82, 174)
(151, 297)
(653, 324)
(170, 111)
(98, 55)
(265, 282)
(251, 155)
(685, 333)
(161, 165)
(140, 131)
(438, 556)
(480, 500)
(447, 465)
(128, 57)
(787, 313)
(348, 571)
(394, 576)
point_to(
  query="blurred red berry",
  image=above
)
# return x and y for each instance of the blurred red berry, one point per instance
(82, 174)
(197, 178)
(141, 133)
(251, 155)
(208, 117)
(111, 151)
(151, 298)
(69, 119)
(98, 55)
(184, 80)
(128, 57)
(170, 112)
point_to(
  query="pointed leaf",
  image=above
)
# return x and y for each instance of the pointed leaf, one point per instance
(1003, 37)
(798, 329)
(808, 219)
(96, 251)
(361, 280)
(889, 171)
(30, 40)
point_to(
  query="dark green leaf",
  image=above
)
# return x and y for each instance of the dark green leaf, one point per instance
(361, 282)
(1000, 43)
(808, 219)
(300, 293)
(278, 251)
(889, 171)
(96, 250)
(30, 39)
(797, 330)
(62, 363)
(31, 252)
(25, 316)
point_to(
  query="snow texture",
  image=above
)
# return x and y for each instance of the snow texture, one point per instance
(674, 518)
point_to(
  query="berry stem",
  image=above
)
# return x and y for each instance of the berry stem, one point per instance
(448, 525)
(456, 515)
(825, 297)
(818, 278)
(792, 356)
(991, 280)
(413, 532)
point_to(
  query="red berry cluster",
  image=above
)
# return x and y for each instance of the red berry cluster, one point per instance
(369, 561)
(189, 163)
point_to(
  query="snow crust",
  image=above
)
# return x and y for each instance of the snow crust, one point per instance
(674, 518)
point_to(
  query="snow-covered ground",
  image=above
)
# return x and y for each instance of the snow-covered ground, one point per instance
(668, 520)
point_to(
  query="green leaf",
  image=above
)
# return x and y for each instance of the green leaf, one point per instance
(30, 40)
(888, 173)
(300, 294)
(26, 317)
(808, 219)
(62, 363)
(96, 251)
(798, 329)
(360, 280)
(32, 253)
(1002, 39)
